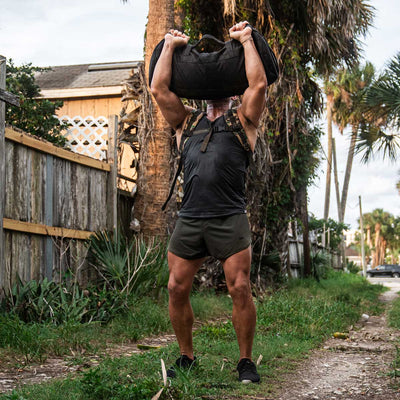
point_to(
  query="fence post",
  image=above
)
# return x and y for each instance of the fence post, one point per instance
(2, 169)
(112, 179)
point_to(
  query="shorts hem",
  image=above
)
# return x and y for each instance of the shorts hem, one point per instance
(184, 256)
(237, 250)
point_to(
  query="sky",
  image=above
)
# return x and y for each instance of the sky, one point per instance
(56, 32)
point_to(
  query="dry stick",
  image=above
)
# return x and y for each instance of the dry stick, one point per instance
(287, 37)
(259, 262)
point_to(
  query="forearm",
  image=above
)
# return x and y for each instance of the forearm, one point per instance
(255, 72)
(163, 69)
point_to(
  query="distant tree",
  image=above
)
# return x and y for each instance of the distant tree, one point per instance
(334, 228)
(385, 235)
(35, 116)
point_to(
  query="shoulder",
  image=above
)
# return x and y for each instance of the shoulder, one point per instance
(182, 125)
(192, 118)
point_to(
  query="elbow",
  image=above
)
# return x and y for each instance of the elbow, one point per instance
(262, 85)
(155, 91)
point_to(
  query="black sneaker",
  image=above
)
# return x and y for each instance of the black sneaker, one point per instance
(247, 371)
(183, 362)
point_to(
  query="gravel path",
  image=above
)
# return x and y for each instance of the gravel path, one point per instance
(355, 368)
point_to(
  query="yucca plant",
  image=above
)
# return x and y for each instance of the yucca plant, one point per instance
(136, 267)
(109, 255)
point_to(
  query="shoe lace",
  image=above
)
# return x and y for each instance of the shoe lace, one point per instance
(247, 365)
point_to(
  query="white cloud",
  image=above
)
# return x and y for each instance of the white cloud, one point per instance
(58, 33)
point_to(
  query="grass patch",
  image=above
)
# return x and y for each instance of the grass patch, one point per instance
(394, 314)
(291, 321)
(34, 342)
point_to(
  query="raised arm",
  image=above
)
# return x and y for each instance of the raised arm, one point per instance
(170, 104)
(253, 100)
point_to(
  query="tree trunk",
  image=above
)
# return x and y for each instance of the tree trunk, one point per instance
(302, 195)
(342, 247)
(329, 158)
(154, 166)
(335, 174)
(369, 242)
(378, 246)
(349, 165)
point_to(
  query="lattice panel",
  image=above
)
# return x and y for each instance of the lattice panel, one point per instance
(87, 135)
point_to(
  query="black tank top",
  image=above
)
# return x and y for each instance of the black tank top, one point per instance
(214, 180)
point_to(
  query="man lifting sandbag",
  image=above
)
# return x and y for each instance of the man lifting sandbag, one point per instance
(214, 148)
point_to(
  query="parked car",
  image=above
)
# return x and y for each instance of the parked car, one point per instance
(385, 270)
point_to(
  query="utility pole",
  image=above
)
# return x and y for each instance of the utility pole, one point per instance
(364, 267)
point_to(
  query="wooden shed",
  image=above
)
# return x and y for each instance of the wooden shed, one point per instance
(86, 89)
(91, 93)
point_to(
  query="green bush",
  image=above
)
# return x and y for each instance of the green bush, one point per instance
(352, 267)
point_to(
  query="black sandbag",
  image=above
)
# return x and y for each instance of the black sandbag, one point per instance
(216, 74)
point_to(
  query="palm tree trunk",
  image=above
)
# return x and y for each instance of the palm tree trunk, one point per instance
(349, 165)
(154, 167)
(377, 255)
(329, 158)
(335, 174)
(302, 196)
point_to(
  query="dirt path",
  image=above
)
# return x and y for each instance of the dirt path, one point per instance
(58, 367)
(355, 368)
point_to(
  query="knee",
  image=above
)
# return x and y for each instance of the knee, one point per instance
(240, 290)
(178, 290)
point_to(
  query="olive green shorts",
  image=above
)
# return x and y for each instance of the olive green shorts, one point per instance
(219, 237)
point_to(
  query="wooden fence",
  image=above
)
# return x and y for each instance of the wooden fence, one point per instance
(54, 199)
(51, 201)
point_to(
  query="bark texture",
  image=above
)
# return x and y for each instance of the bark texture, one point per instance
(154, 165)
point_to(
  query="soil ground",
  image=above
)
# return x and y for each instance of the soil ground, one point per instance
(356, 368)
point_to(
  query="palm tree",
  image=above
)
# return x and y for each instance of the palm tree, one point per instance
(155, 147)
(329, 104)
(332, 91)
(348, 110)
(306, 36)
(384, 235)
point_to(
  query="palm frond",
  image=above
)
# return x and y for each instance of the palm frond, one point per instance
(372, 140)
(383, 98)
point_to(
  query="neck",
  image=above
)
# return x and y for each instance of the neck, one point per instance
(215, 110)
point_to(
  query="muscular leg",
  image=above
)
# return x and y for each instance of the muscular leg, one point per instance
(237, 275)
(181, 274)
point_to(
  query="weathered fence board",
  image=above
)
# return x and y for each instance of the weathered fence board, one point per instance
(53, 202)
(2, 167)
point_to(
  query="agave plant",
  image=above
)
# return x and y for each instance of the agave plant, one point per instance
(138, 266)
(109, 255)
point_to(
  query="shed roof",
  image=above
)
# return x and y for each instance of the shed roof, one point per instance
(85, 75)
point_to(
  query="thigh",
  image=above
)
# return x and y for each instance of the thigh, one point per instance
(237, 267)
(182, 271)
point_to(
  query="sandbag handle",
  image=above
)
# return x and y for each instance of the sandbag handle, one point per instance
(209, 37)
